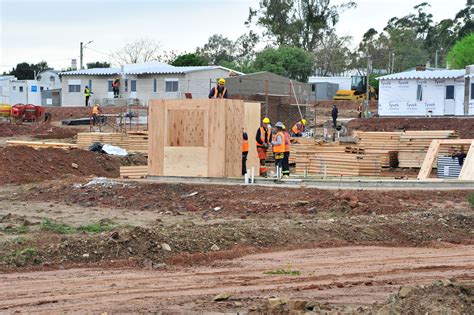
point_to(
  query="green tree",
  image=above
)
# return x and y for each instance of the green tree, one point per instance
(462, 53)
(189, 59)
(26, 71)
(291, 62)
(98, 64)
(332, 56)
(299, 23)
(217, 49)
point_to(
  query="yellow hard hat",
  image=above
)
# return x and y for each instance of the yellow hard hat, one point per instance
(266, 120)
(284, 127)
(303, 121)
(221, 81)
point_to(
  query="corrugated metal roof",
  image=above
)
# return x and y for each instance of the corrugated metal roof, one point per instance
(423, 75)
(95, 71)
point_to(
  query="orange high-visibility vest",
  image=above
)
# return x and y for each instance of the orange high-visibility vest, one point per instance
(216, 92)
(95, 110)
(287, 141)
(280, 148)
(245, 146)
(298, 128)
(262, 135)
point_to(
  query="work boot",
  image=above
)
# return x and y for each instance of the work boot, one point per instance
(264, 175)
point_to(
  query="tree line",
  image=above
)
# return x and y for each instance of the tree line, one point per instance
(300, 40)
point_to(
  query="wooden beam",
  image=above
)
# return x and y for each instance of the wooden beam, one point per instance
(467, 171)
(40, 144)
(429, 160)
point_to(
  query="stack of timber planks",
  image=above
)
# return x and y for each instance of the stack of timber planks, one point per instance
(38, 145)
(134, 171)
(302, 154)
(132, 142)
(410, 145)
(345, 164)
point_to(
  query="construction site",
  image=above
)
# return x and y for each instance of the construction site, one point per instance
(375, 217)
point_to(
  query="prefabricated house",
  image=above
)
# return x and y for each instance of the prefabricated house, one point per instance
(140, 83)
(49, 80)
(424, 93)
(13, 91)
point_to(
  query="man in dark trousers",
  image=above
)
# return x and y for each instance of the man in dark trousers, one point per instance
(87, 94)
(219, 91)
(263, 139)
(116, 87)
(245, 151)
(334, 113)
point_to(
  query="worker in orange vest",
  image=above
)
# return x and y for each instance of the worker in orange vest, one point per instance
(286, 157)
(96, 111)
(245, 151)
(219, 91)
(298, 129)
(263, 138)
(279, 146)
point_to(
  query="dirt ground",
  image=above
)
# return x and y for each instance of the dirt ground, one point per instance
(72, 243)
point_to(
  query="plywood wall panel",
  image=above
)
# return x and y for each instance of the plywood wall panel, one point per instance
(216, 139)
(185, 161)
(251, 124)
(156, 116)
(235, 113)
(186, 127)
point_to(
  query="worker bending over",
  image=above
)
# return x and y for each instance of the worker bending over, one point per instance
(219, 91)
(279, 146)
(245, 151)
(263, 141)
(299, 128)
(96, 111)
(286, 156)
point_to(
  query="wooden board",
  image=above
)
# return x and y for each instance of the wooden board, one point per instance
(233, 138)
(251, 124)
(216, 141)
(186, 127)
(41, 144)
(156, 143)
(133, 171)
(467, 171)
(185, 161)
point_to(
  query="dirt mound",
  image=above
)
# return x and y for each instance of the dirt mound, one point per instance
(442, 297)
(463, 125)
(39, 131)
(61, 113)
(246, 200)
(25, 165)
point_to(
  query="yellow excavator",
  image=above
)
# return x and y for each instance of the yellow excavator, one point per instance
(358, 90)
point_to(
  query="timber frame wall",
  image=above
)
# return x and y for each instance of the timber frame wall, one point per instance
(201, 138)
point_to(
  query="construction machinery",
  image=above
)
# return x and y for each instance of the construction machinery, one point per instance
(5, 110)
(26, 112)
(358, 90)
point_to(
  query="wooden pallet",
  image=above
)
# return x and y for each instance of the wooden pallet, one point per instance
(39, 144)
(134, 171)
(136, 142)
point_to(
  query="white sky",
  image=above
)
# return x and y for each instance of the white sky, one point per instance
(51, 30)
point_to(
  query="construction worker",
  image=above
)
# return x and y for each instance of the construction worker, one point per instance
(298, 129)
(359, 110)
(96, 112)
(279, 146)
(219, 91)
(116, 87)
(87, 93)
(286, 157)
(245, 151)
(263, 137)
(334, 113)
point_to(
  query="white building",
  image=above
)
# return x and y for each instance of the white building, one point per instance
(343, 82)
(428, 92)
(142, 82)
(13, 91)
(49, 80)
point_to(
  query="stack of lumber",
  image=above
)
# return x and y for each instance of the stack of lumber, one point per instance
(38, 144)
(410, 145)
(132, 142)
(344, 164)
(137, 141)
(302, 153)
(133, 171)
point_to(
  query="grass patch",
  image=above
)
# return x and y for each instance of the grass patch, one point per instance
(22, 229)
(57, 227)
(283, 272)
(471, 200)
(25, 256)
(104, 225)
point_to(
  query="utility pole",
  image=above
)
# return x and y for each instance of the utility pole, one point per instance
(393, 62)
(81, 53)
(367, 86)
(436, 59)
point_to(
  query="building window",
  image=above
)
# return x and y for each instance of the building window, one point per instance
(14, 88)
(133, 85)
(109, 86)
(51, 78)
(154, 85)
(126, 85)
(472, 91)
(90, 85)
(74, 88)
(171, 86)
(21, 89)
(419, 93)
(450, 92)
(41, 88)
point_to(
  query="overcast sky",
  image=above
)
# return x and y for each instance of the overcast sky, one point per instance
(35, 30)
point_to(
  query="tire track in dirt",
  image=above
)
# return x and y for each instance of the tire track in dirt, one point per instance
(346, 275)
